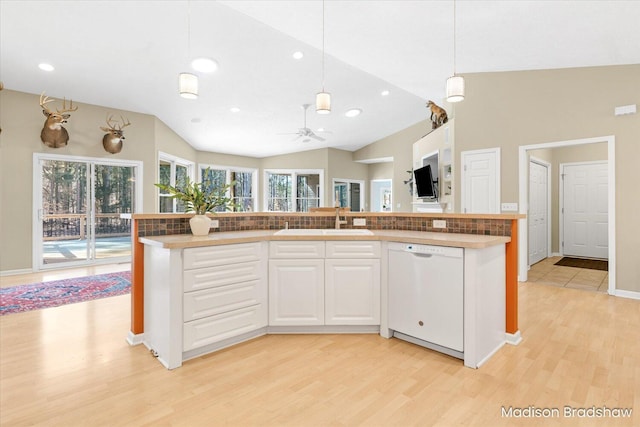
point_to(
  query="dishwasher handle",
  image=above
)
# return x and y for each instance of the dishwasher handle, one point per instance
(421, 255)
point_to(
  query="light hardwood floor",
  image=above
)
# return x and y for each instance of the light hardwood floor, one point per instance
(71, 366)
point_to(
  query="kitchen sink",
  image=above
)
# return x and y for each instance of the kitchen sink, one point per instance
(347, 232)
(322, 232)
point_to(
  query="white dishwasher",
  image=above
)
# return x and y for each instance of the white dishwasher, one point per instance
(426, 296)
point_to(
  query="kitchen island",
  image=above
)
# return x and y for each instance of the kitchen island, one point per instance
(206, 293)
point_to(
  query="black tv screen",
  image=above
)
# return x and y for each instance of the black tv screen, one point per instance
(425, 186)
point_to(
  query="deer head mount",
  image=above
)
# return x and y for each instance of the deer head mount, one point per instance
(53, 134)
(112, 140)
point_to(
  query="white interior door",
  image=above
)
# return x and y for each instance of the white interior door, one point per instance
(481, 181)
(585, 209)
(538, 211)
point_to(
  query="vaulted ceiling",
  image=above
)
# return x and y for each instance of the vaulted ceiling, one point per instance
(128, 54)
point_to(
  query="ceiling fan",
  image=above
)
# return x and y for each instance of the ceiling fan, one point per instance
(305, 132)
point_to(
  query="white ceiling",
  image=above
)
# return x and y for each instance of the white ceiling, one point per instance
(127, 55)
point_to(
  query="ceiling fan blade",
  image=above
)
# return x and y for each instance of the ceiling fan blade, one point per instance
(290, 133)
(316, 137)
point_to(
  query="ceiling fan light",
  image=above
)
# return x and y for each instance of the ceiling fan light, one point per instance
(188, 85)
(323, 103)
(455, 89)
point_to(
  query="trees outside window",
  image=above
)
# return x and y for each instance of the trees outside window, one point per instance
(293, 190)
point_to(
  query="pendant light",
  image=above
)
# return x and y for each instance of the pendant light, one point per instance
(455, 84)
(188, 82)
(323, 99)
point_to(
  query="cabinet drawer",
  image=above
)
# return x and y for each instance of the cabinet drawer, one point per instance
(220, 255)
(209, 330)
(221, 299)
(221, 275)
(353, 249)
(296, 249)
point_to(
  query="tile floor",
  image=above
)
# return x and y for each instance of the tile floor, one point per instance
(546, 273)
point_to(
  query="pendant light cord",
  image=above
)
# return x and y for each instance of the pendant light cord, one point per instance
(454, 37)
(188, 29)
(323, 45)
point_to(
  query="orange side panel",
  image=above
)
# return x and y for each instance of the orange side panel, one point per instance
(137, 281)
(512, 280)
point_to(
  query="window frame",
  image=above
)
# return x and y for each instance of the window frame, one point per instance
(294, 183)
(228, 170)
(174, 162)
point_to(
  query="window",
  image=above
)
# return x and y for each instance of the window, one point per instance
(243, 192)
(349, 193)
(293, 190)
(172, 171)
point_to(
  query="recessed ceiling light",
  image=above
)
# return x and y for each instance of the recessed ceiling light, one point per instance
(46, 67)
(196, 120)
(234, 109)
(320, 129)
(298, 55)
(204, 65)
(384, 93)
(353, 112)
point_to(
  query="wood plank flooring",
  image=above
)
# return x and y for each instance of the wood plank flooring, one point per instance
(71, 366)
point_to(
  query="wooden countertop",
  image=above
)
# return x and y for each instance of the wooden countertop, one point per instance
(458, 240)
(349, 214)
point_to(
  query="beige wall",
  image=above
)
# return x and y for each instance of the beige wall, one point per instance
(511, 109)
(400, 147)
(22, 120)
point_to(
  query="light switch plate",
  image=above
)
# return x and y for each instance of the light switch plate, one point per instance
(439, 223)
(359, 222)
(509, 207)
(215, 223)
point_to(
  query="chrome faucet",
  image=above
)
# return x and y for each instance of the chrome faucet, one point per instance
(338, 220)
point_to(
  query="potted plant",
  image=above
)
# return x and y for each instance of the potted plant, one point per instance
(202, 198)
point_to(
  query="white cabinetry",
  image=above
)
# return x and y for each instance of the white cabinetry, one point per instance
(225, 293)
(314, 283)
(198, 300)
(352, 283)
(296, 292)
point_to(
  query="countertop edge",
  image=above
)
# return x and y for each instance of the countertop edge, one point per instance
(459, 240)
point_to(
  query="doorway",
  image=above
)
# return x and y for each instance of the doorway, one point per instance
(523, 195)
(539, 210)
(480, 189)
(381, 195)
(78, 205)
(348, 193)
(583, 209)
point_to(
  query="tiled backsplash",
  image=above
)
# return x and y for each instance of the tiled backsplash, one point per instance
(493, 227)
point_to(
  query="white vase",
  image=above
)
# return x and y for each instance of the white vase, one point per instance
(200, 225)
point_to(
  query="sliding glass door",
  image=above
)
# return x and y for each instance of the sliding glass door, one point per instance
(79, 202)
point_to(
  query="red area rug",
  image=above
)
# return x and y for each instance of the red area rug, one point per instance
(36, 296)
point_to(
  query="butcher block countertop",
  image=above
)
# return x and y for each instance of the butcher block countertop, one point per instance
(458, 240)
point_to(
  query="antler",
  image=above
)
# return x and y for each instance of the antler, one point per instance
(112, 126)
(124, 125)
(43, 101)
(64, 106)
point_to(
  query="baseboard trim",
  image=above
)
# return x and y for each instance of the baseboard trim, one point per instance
(135, 339)
(513, 339)
(16, 272)
(627, 294)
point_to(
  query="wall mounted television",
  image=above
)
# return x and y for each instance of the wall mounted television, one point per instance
(425, 184)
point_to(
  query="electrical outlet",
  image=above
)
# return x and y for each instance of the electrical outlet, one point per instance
(509, 207)
(439, 223)
(215, 223)
(359, 222)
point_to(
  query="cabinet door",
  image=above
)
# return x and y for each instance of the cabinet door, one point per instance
(352, 292)
(296, 292)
